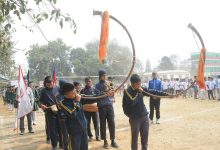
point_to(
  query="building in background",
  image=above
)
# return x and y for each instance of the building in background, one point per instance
(212, 64)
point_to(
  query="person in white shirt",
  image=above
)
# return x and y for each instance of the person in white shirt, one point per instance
(177, 86)
(171, 86)
(184, 86)
(165, 85)
(210, 88)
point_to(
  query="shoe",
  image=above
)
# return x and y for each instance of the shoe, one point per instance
(22, 133)
(34, 124)
(48, 141)
(151, 122)
(158, 121)
(31, 131)
(98, 139)
(60, 146)
(114, 144)
(105, 144)
(90, 138)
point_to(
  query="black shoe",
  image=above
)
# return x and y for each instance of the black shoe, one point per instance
(60, 146)
(114, 144)
(22, 133)
(54, 148)
(105, 144)
(98, 139)
(31, 131)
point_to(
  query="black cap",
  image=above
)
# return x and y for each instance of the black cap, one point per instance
(102, 72)
(62, 82)
(135, 78)
(67, 87)
(76, 83)
(47, 79)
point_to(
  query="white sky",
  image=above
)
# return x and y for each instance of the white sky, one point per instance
(158, 27)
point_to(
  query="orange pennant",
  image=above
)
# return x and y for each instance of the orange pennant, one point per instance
(104, 38)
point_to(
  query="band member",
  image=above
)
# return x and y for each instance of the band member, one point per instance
(90, 114)
(31, 97)
(75, 119)
(48, 104)
(106, 110)
(135, 109)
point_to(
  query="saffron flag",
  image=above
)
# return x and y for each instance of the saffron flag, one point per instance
(103, 44)
(54, 76)
(24, 106)
(201, 66)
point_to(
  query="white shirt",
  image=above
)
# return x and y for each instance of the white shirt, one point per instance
(171, 84)
(164, 85)
(177, 85)
(218, 83)
(31, 95)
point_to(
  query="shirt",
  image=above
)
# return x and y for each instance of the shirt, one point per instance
(155, 84)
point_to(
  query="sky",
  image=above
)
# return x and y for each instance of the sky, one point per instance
(158, 27)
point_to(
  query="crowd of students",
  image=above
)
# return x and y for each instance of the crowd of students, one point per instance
(174, 86)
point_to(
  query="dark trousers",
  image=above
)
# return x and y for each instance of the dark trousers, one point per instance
(107, 113)
(29, 123)
(95, 119)
(210, 93)
(63, 136)
(47, 126)
(53, 124)
(154, 103)
(78, 141)
(139, 125)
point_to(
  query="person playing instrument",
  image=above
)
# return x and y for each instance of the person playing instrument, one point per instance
(75, 119)
(48, 104)
(135, 109)
(90, 114)
(106, 110)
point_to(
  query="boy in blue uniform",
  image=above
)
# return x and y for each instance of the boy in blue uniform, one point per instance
(155, 84)
(106, 110)
(90, 90)
(135, 109)
(75, 120)
(47, 100)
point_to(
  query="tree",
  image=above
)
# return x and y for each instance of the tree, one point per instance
(85, 61)
(148, 66)
(175, 60)
(165, 64)
(6, 59)
(43, 10)
(42, 59)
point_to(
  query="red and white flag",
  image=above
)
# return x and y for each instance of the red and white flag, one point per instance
(24, 106)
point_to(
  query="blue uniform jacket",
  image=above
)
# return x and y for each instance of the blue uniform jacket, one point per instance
(133, 102)
(155, 84)
(75, 118)
(47, 96)
(100, 91)
(91, 91)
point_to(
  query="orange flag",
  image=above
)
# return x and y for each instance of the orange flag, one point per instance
(201, 67)
(104, 38)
